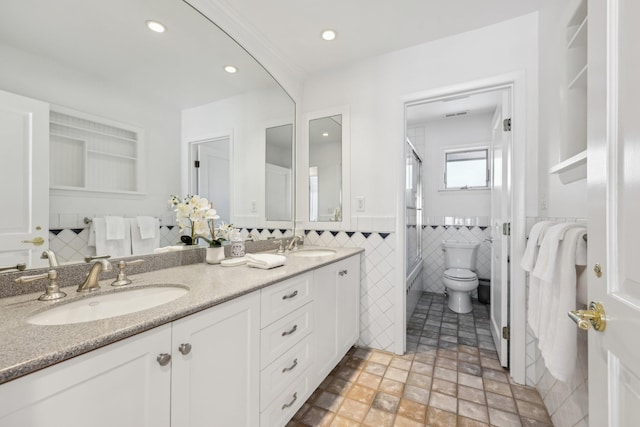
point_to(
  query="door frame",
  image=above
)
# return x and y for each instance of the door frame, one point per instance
(516, 81)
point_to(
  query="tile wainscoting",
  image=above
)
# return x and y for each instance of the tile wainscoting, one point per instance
(377, 311)
(567, 403)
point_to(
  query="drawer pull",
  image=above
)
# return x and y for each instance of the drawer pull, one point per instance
(290, 331)
(291, 295)
(286, 405)
(292, 367)
(343, 272)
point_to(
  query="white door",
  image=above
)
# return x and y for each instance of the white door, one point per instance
(121, 385)
(500, 215)
(215, 378)
(278, 193)
(24, 180)
(614, 210)
(213, 175)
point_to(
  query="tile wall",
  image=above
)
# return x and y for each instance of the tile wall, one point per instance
(432, 237)
(567, 403)
(377, 294)
(71, 244)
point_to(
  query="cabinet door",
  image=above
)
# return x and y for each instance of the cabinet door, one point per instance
(121, 385)
(348, 304)
(216, 381)
(325, 352)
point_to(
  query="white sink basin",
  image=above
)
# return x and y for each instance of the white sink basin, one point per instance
(107, 305)
(314, 252)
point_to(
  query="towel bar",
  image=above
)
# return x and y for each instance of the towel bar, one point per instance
(88, 220)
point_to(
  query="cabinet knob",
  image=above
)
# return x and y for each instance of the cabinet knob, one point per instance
(343, 272)
(185, 348)
(164, 359)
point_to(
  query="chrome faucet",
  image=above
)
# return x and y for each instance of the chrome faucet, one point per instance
(51, 256)
(90, 284)
(293, 243)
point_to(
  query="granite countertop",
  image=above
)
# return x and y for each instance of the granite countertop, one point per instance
(27, 348)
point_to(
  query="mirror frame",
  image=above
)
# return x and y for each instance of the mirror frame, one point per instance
(345, 224)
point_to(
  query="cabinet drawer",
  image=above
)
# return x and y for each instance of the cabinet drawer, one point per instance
(275, 378)
(287, 403)
(283, 334)
(280, 300)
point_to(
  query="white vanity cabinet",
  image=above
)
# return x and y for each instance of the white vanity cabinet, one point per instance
(121, 384)
(215, 379)
(337, 314)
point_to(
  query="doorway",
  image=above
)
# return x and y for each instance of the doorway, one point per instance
(211, 173)
(464, 139)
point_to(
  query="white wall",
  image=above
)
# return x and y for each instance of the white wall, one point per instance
(440, 135)
(375, 91)
(35, 77)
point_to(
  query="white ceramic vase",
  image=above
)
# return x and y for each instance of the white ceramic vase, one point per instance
(215, 255)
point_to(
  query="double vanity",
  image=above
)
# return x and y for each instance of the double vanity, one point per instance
(184, 346)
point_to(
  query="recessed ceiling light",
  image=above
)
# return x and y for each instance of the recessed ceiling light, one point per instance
(156, 26)
(325, 134)
(230, 69)
(328, 35)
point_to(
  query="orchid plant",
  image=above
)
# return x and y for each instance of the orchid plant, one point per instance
(197, 214)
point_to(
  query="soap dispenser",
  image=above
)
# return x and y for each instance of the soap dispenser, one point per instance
(237, 244)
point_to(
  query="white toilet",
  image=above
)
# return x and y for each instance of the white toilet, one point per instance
(459, 277)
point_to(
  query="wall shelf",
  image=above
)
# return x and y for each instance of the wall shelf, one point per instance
(573, 169)
(580, 80)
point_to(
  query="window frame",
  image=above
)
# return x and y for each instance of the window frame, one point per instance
(468, 149)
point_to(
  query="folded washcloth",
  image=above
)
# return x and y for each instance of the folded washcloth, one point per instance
(114, 227)
(148, 226)
(265, 261)
(168, 249)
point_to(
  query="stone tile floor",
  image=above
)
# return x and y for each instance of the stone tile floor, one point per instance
(450, 376)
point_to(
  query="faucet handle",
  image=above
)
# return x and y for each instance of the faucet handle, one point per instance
(90, 258)
(52, 292)
(281, 247)
(122, 278)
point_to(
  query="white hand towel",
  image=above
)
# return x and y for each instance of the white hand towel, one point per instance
(139, 245)
(535, 237)
(558, 343)
(545, 263)
(92, 235)
(115, 248)
(148, 226)
(166, 249)
(581, 250)
(115, 227)
(528, 262)
(265, 261)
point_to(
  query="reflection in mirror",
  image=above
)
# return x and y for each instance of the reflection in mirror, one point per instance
(212, 174)
(127, 104)
(325, 169)
(279, 173)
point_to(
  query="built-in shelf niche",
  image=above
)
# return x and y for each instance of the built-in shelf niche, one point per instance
(573, 158)
(89, 153)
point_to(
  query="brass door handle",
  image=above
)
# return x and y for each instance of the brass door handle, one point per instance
(594, 316)
(37, 241)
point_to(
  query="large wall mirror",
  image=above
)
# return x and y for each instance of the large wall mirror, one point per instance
(133, 116)
(327, 172)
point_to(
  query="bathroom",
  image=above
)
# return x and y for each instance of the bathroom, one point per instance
(372, 94)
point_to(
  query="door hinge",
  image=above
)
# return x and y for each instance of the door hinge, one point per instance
(506, 125)
(506, 229)
(196, 163)
(506, 333)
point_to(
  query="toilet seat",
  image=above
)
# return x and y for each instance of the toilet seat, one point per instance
(460, 275)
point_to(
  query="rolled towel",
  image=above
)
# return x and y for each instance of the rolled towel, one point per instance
(114, 227)
(265, 261)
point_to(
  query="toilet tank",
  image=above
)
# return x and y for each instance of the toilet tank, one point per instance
(460, 254)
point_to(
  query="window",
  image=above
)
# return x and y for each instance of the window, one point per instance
(465, 169)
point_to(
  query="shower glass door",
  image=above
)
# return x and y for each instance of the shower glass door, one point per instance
(413, 188)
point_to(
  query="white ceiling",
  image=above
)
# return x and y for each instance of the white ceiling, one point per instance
(479, 103)
(365, 27)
